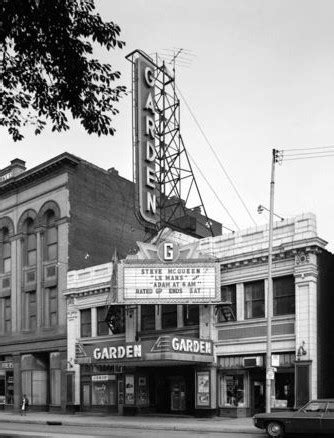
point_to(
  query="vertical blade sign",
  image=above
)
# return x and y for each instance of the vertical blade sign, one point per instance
(145, 153)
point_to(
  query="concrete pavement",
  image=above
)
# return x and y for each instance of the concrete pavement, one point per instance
(215, 424)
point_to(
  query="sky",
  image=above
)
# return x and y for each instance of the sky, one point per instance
(261, 76)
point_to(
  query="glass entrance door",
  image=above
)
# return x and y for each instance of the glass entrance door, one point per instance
(177, 394)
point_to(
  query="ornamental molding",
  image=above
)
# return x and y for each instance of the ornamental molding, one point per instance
(299, 256)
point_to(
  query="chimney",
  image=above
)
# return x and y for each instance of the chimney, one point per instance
(17, 166)
(113, 171)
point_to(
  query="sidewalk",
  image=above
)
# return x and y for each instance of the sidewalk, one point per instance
(215, 424)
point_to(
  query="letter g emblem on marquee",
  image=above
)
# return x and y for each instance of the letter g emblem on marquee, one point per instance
(168, 251)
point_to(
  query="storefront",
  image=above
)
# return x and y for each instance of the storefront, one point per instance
(242, 384)
(6, 383)
(167, 374)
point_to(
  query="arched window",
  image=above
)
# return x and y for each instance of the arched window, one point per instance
(6, 263)
(30, 243)
(51, 237)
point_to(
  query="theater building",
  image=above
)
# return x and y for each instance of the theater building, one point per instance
(155, 357)
(206, 355)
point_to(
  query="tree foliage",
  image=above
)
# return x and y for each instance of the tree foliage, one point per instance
(49, 68)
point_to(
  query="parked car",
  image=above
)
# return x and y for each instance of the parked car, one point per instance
(315, 418)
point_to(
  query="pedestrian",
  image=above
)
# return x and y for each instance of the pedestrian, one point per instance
(24, 404)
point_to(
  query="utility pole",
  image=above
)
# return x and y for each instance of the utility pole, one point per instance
(269, 370)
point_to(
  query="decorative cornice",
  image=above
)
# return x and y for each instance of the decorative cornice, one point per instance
(301, 254)
(43, 169)
(88, 290)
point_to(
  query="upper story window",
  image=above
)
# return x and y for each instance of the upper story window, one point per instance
(191, 314)
(32, 310)
(168, 316)
(102, 326)
(147, 317)
(85, 323)
(6, 261)
(51, 237)
(8, 315)
(227, 310)
(117, 319)
(284, 295)
(30, 243)
(254, 299)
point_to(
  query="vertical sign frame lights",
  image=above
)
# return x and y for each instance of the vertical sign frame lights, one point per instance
(145, 153)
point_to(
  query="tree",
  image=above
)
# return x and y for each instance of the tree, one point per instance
(49, 71)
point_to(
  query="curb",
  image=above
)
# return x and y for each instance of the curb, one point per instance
(137, 425)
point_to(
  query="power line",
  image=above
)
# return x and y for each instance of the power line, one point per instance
(320, 153)
(216, 156)
(214, 192)
(307, 158)
(307, 149)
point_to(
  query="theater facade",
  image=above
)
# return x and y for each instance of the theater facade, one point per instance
(158, 354)
(187, 330)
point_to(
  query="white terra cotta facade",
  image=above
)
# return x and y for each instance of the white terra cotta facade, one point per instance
(237, 326)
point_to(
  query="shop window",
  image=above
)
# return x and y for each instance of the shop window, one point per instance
(168, 316)
(51, 237)
(86, 323)
(147, 317)
(5, 252)
(284, 295)
(104, 393)
(284, 390)
(102, 326)
(254, 299)
(55, 386)
(227, 310)
(32, 310)
(2, 389)
(191, 314)
(10, 388)
(233, 390)
(8, 315)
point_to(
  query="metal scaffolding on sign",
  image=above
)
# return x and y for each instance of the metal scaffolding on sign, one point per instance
(176, 183)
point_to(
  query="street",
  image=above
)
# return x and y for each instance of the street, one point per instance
(10, 430)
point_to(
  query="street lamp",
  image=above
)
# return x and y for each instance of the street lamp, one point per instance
(261, 208)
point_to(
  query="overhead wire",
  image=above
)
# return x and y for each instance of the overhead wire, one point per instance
(307, 158)
(216, 156)
(214, 192)
(307, 149)
(294, 154)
